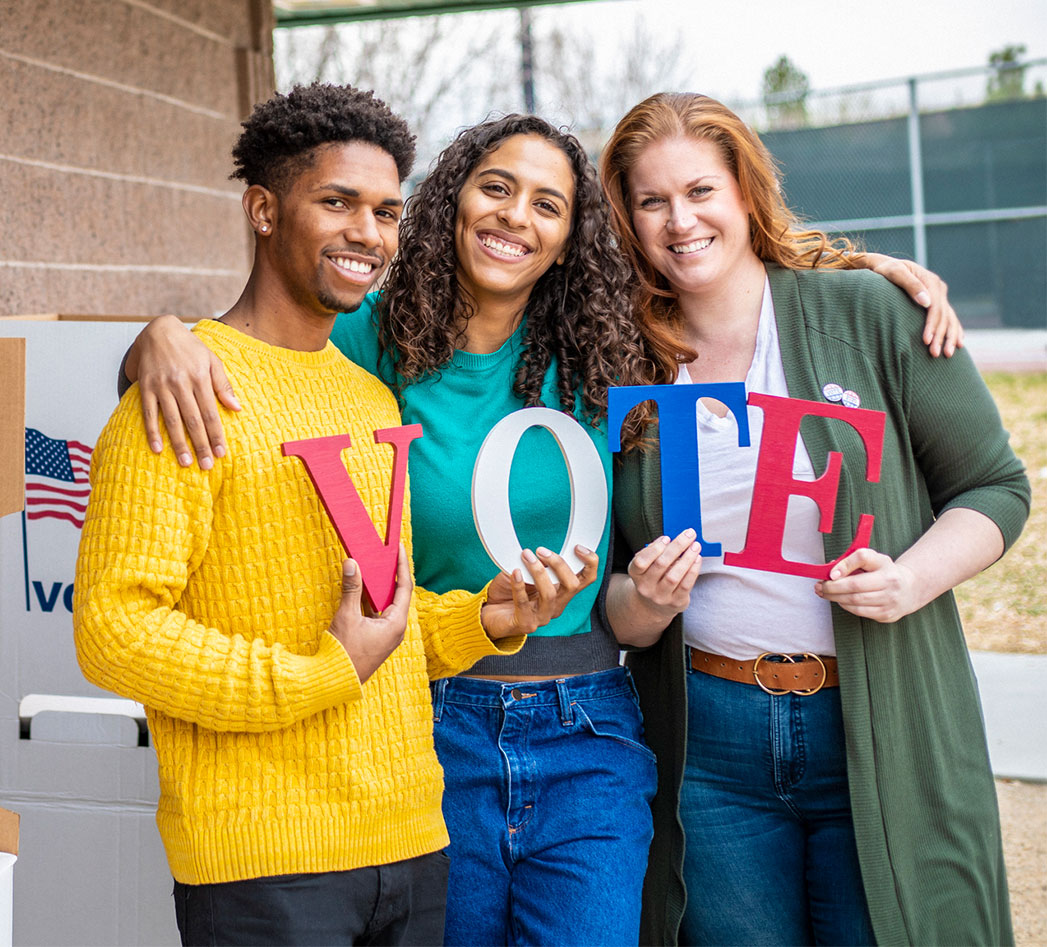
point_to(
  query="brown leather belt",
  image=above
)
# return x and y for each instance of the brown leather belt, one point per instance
(802, 673)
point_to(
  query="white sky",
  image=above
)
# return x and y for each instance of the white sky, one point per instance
(727, 48)
(835, 44)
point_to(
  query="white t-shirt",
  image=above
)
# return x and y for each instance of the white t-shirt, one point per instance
(740, 612)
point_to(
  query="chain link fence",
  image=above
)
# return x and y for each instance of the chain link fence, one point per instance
(949, 169)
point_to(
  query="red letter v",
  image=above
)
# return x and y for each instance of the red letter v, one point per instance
(322, 457)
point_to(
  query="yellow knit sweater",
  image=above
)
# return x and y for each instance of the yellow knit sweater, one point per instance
(207, 595)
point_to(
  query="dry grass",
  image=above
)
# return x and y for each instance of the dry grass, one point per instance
(1005, 608)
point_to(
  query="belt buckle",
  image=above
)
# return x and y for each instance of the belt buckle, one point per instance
(791, 659)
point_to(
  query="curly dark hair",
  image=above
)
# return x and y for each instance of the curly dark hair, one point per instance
(281, 135)
(578, 311)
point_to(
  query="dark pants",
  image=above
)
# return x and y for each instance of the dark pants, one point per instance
(400, 903)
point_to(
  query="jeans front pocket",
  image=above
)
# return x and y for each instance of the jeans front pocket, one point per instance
(615, 718)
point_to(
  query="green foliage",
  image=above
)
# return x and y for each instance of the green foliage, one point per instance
(1007, 82)
(785, 88)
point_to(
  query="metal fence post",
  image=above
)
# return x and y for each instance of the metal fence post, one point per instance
(919, 221)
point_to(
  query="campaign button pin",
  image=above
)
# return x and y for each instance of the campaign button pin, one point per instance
(850, 399)
(833, 392)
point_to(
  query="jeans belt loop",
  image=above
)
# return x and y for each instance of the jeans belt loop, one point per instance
(566, 710)
(439, 689)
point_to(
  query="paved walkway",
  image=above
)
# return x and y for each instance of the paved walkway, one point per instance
(1014, 701)
(1008, 349)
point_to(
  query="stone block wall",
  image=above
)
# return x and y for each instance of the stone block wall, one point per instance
(116, 122)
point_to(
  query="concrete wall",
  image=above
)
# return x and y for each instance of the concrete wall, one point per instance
(117, 120)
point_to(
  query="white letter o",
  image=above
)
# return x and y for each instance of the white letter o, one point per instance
(491, 513)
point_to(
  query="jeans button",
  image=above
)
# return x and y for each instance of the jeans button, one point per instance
(517, 693)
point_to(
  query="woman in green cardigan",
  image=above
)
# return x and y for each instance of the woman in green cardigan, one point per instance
(824, 776)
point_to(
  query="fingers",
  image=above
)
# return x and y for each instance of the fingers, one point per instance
(500, 588)
(665, 571)
(590, 565)
(508, 610)
(200, 411)
(352, 590)
(658, 557)
(200, 416)
(183, 405)
(401, 603)
(177, 374)
(908, 277)
(222, 386)
(545, 590)
(870, 585)
(683, 573)
(176, 433)
(646, 557)
(552, 585)
(521, 600)
(942, 332)
(151, 419)
(942, 327)
(565, 575)
(861, 560)
(954, 334)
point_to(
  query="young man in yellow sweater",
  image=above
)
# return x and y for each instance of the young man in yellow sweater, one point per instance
(300, 793)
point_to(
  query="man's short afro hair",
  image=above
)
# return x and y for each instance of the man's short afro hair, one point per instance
(280, 135)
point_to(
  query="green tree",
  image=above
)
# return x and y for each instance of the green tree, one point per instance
(1007, 81)
(785, 88)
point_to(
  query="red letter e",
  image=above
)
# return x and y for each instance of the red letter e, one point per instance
(775, 482)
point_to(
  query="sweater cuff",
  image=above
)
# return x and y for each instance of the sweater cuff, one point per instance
(452, 628)
(325, 679)
(1008, 511)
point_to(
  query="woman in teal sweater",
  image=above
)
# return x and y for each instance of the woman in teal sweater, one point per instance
(824, 776)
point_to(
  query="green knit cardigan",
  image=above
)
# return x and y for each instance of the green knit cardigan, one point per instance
(922, 792)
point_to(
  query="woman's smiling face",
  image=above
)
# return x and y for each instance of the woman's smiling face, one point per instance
(514, 219)
(689, 214)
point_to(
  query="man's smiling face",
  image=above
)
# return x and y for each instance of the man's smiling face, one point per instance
(335, 226)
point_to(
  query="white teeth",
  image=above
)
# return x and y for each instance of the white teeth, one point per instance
(353, 266)
(509, 249)
(691, 247)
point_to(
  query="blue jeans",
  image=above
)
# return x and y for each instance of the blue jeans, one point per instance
(771, 856)
(547, 802)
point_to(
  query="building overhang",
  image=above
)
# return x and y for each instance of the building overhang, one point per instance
(328, 12)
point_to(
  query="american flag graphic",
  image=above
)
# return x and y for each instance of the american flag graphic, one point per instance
(56, 483)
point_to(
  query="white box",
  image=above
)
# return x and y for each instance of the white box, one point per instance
(8, 857)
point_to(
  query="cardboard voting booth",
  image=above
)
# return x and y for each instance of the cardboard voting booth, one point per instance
(12, 489)
(75, 761)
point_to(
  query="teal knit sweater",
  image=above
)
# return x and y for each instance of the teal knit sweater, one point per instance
(457, 407)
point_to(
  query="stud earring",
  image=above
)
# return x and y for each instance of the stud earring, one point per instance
(264, 228)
